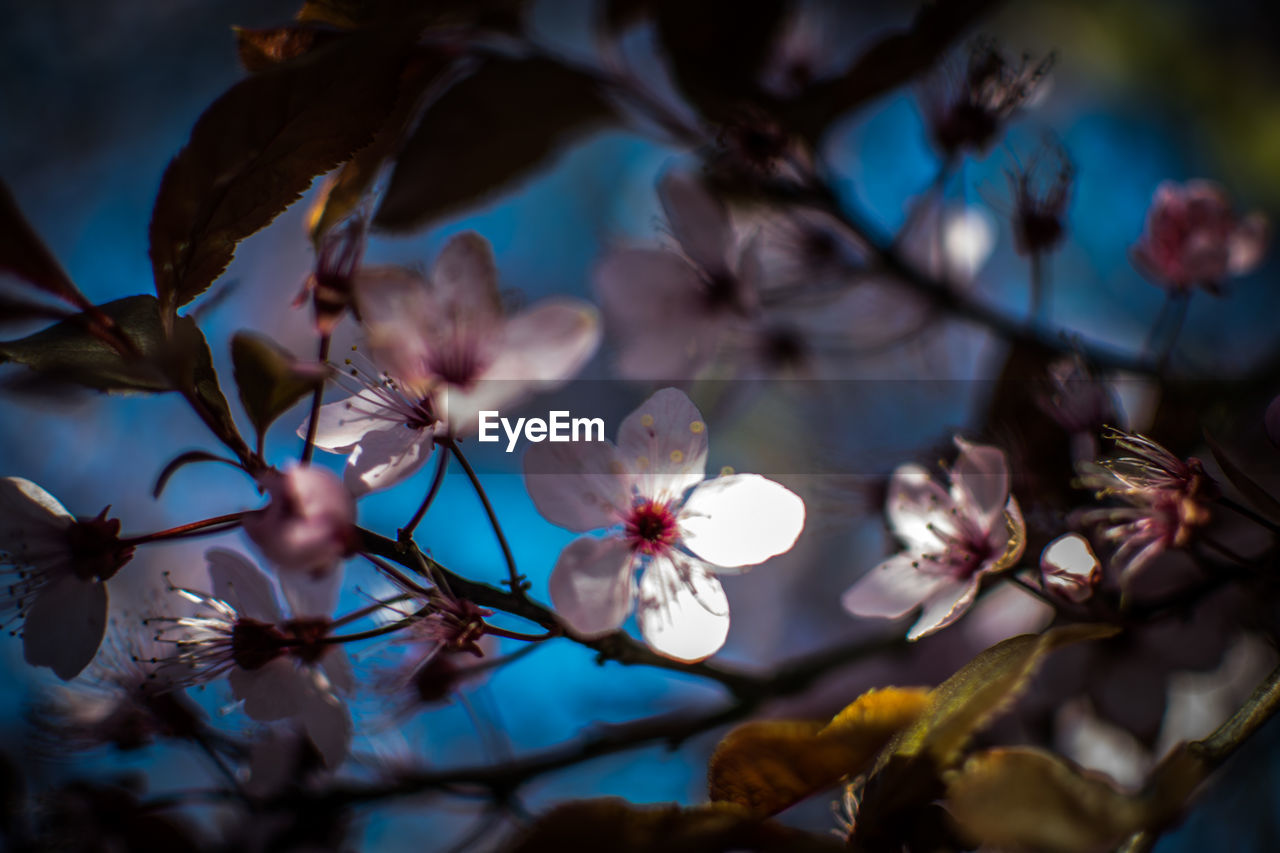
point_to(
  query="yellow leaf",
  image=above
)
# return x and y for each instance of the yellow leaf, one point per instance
(1028, 799)
(769, 765)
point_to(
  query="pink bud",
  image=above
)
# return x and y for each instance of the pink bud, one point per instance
(305, 531)
(1069, 567)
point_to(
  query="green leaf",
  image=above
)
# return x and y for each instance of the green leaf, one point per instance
(1028, 799)
(83, 351)
(24, 254)
(907, 776)
(342, 193)
(271, 381)
(980, 689)
(75, 350)
(766, 766)
(487, 132)
(257, 148)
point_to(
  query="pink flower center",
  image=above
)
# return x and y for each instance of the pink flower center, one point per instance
(964, 553)
(651, 528)
(255, 644)
(457, 362)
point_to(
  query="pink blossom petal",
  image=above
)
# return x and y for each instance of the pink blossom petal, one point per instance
(65, 624)
(1248, 244)
(947, 604)
(698, 220)
(580, 486)
(980, 483)
(592, 585)
(653, 303)
(892, 589)
(741, 520)
(396, 309)
(682, 610)
(547, 344)
(917, 506)
(386, 457)
(243, 585)
(327, 723)
(464, 279)
(311, 593)
(665, 442)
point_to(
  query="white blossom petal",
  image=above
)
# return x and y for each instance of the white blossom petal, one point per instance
(741, 520)
(947, 604)
(344, 423)
(326, 720)
(916, 507)
(592, 585)
(665, 442)
(244, 586)
(386, 457)
(892, 589)
(337, 666)
(269, 692)
(580, 486)
(682, 610)
(65, 624)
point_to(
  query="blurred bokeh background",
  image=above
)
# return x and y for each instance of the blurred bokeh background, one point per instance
(96, 98)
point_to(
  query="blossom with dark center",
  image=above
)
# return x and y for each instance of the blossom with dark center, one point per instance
(332, 285)
(1166, 500)
(280, 668)
(444, 350)
(668, 312)
(954, 537)
(124, 698)
(666, 518)
(1193, 238)
(967, 110)
(54, 570)
(1041, 192)
(306, 531)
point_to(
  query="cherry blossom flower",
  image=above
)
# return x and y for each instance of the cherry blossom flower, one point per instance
(954, 537)
(443, 350)
(668, 312)
(666, 518)
(305, 531)
(280, 668)
(1194, 238)
(966, 110)
(1069, 568)
(1041, 192)
(1166, 500)
(53, 573)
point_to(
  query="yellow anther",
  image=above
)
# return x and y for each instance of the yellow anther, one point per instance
(697, 427)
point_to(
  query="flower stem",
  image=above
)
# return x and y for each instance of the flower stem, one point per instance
(442, 464)
(514, 579)
(1039, 290)
(194, 528)
(516, 635)
(367, 610)
(313, 422)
